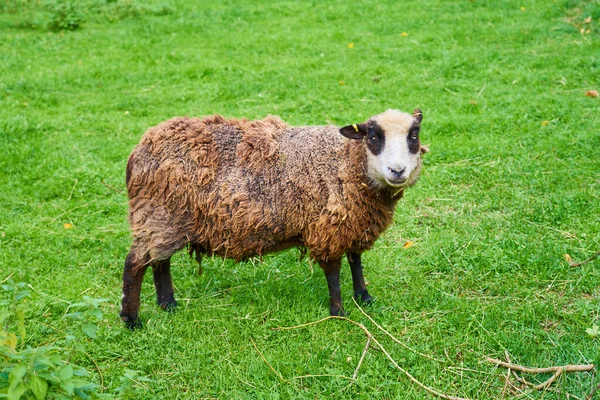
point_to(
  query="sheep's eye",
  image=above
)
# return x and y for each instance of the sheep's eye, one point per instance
(414, 135)
(372, 137)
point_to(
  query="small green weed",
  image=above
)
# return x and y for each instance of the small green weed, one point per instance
(35, 373)
(64, 15)
(47, 371)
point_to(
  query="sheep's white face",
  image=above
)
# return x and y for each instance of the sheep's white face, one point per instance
(392, 146)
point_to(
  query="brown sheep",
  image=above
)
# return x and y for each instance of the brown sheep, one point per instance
(239, 188)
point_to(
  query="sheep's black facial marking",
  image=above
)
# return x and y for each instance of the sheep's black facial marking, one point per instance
(375, 138)
(412, 139)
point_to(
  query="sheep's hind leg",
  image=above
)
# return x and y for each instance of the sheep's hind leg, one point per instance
(164, 284)
(199, 261)
(358, 280)
(198, 250)
(332, 273)
(133, 275)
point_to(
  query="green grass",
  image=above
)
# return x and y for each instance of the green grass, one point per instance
(511, 185)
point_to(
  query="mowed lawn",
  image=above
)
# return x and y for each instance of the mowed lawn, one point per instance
(474, 266)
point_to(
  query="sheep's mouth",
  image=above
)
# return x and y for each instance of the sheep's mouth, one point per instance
(396, 182)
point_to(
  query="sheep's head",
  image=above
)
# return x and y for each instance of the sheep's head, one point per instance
(391, 141)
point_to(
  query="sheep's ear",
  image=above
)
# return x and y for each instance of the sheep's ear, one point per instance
(354, 131)
(418, 115)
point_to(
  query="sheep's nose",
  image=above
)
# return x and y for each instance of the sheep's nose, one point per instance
(397, 171)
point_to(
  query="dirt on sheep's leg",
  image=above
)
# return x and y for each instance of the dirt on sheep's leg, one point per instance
(332, 273)
(358, 280)
(133, 275)
(164, 285)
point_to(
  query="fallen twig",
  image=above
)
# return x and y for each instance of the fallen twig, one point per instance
(370, 337)
(98, 369)
(111, 188)
(591, 395)
(73, 189)
(413, 379)
(558, 371)
(392, 337)
(572, 264)
(548, 382)
(362, 357)
(506, 383)
(7, 278)
(266, 362)
(529, 370)
(517, 377)
(322, 376)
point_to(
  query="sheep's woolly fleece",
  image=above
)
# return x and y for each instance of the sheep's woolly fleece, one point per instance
(240, 188)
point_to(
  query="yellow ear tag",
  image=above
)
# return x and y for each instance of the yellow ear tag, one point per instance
(416, 114)
(355, 127)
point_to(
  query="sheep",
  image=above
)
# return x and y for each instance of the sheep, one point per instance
(240, 189)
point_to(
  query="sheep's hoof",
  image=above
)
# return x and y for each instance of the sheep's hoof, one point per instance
(363, 297)
(337, 312)
(132, 323)
(169, 306)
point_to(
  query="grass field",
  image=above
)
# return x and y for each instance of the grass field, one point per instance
(511, 185)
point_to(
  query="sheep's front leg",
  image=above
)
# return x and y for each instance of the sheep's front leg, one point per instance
(332, 273)
(164, 285)
(133, 275)
(358, 280)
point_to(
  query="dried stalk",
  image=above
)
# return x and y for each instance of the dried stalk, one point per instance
(98, 369)
(392, 337)
(266, 362)
(362, 357)
(110, 187)
(7, 278)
